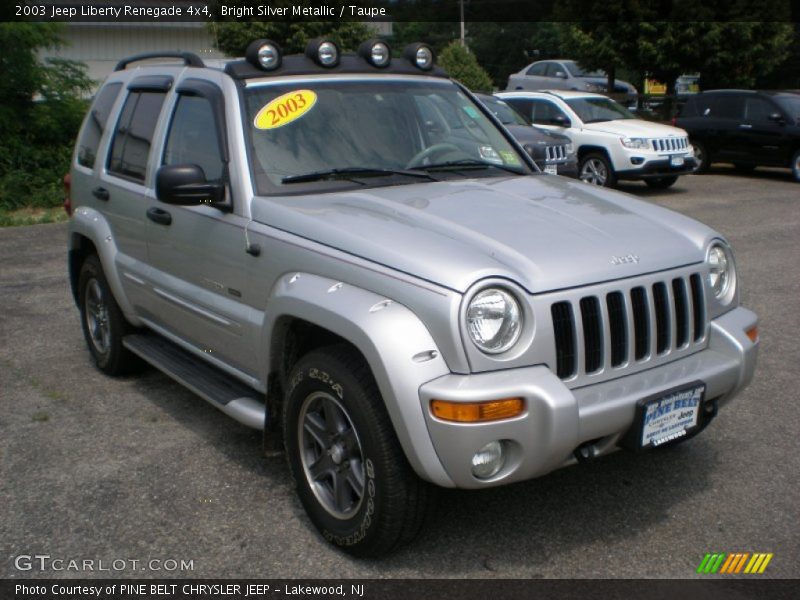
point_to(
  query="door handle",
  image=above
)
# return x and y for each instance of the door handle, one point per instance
(101, 193)
(745, 126)
(157, 215)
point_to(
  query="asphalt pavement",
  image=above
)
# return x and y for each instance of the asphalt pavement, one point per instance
(139, 469)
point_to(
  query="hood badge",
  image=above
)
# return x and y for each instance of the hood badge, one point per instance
(623, 260)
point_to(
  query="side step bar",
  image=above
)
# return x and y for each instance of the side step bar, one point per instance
(221, 390)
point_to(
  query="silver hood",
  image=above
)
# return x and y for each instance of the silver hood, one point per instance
(543, 232)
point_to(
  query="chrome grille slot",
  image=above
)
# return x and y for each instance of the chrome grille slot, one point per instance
(592, 334)
(564, 330)
(555, 153)
(622, 328)
(618, 328)
(670, 144)
(698, 307)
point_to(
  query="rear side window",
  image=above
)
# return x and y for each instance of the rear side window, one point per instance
(537, 69)
(545, 113)
(134, 135)
(758, 110)
(553, 68)
(730, 107)
(96, 123)
(192, 138)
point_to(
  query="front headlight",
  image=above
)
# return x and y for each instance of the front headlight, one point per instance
(494, 320)
(591, 87)
(721, 271)
(635, 143)
(570, 147)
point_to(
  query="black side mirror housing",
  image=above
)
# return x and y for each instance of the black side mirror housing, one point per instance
(186, 185)
(561, 121)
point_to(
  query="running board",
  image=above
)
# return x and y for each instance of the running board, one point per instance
(222, 391)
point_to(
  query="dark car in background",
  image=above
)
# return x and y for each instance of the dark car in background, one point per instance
(744, 127)
(553, 152)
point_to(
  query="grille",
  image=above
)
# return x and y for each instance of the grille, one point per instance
(670, 144)
(555, 153)
(619, 328)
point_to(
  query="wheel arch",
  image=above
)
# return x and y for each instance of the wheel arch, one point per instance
(307, 312)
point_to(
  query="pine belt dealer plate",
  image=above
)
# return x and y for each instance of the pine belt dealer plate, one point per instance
(668, 416)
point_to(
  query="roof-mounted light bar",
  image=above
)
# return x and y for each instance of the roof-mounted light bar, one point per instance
(264, 54)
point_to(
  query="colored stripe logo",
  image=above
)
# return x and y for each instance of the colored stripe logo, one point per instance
(735, 563)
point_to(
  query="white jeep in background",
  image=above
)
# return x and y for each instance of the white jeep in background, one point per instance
(612, 144)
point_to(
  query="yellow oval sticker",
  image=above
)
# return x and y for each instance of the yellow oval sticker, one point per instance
(285, 109)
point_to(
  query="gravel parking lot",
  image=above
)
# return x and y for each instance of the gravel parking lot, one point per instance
(138, 469)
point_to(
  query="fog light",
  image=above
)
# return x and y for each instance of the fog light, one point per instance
(323, 52)
(265, 54)
(376, 53)
(420, 55)
(488, 461)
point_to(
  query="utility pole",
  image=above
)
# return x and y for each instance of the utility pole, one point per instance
(461, 7)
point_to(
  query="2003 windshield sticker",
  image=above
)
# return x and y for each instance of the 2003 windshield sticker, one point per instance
(285, 109)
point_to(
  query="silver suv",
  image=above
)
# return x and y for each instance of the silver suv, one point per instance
(350, 253)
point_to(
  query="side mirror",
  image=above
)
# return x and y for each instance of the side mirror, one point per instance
(777, 117)
(186, 185)
(561, 75)
(561, 121)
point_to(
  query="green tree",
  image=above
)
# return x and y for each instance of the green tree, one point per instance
(40, 113)
(462, 65)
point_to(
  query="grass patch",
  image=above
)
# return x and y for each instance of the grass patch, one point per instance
(32, 216)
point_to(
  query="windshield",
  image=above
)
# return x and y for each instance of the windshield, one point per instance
(791, 104)
(577, 71)
(595, 110)
(323, 135)
(501, 110)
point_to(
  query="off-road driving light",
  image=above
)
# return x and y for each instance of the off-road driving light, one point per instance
(265, 54)
(419, 55)
(477, 412)
(376, 53)
(494, 320)
(323, 52)
(488, 461)
(720, 270)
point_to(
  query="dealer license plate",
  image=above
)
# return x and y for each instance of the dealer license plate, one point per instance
(676, 161)
(551, 169)
(669, 416)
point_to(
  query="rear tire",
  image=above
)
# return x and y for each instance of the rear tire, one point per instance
(103, 324)
(796, 166)
(701, 157)
(349, 470)
(661, 183)
(596, 169)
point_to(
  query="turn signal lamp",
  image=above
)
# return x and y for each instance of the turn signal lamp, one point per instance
(477, 412)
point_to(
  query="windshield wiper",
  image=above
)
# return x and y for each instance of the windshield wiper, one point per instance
(350, 172)
(470, 163)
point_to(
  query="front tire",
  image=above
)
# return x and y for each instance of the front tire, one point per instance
(661, 183)
(103, 322)
(349, 470)
(701, 157)
(796, 166)
(596, 169)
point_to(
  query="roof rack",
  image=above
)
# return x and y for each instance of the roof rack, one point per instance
(190, 59)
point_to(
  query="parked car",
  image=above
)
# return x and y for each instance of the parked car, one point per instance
(564, 74)
(552, 152)
(397, 301)
(611, 143)
(743, 127)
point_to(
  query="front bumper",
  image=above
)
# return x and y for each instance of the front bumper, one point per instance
(660, 167)
(558, 420)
